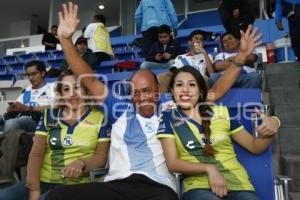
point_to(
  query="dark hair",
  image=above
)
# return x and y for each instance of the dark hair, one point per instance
(53, 26)
(204, 109)
(81, 40)
(100, 18)
(164, 29)
(224, 35)
(197, 32)
(40, 65)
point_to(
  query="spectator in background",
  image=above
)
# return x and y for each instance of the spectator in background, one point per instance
(86, 54)
(197, 57)
(68, 143)
(249, 78)
(163, 51)
(99, 39)
(291, 10)
(25, 112)
(50, 40)
(150, 15)
(236, 15)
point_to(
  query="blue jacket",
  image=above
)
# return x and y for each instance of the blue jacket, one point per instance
(153, 13)
(279, 8)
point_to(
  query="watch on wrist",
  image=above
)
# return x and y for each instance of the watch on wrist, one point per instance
(238, 64)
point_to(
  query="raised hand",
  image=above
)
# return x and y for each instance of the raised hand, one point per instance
(249, 40)
(68, 21)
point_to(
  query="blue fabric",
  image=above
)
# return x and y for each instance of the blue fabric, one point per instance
(208, 195)
(245, 80)
(140, 155)
(26, 97)
(155, 13)
(20, 192)
(279, 8)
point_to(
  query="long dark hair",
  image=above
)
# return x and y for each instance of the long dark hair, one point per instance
(204, 109)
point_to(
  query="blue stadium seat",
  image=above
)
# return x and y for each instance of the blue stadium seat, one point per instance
(26, 57)
(259, 167)
(58, 55)
(17, 68)
(10, 59)
(55, 63)
(106, 67)
(43, 56)
(3, 69)
(8, 77)
(128, 54)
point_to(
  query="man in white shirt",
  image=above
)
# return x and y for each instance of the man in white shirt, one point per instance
(24, 113)
(249, 78)
(197, 57)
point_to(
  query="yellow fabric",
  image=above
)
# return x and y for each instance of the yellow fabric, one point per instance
(224, 152)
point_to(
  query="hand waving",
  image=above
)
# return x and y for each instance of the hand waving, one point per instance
(249, 40)
(68, 21)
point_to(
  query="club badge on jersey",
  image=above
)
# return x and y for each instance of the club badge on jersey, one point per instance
(68, 140)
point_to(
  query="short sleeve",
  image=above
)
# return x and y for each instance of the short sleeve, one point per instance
(219, 57)
(235, 124)
(41, 128)
(104, 132)
(165, 129)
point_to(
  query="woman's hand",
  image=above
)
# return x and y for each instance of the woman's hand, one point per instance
(216, 181)
(34, 195)
(68, 21)
(249, 40)
(73, 170)
(269, 126)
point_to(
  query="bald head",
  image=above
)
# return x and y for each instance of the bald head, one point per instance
(144, 92)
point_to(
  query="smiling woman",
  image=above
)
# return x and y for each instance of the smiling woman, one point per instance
(68, 143)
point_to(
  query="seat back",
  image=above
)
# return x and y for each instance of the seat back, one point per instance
(259, 167)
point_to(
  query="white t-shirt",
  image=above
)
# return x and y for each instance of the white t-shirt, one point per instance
(224, 55)
(42, 96)
(197, 61)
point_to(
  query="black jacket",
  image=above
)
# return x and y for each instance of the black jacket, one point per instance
(174, 48)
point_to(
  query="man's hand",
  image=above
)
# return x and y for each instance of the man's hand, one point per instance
(167, 56)
(18, 107)
(249, 41)
(68, 21)
(279, 26)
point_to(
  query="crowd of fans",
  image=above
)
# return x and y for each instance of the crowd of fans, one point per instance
(80, 129)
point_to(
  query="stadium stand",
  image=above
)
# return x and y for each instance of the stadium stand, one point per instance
(281, 85)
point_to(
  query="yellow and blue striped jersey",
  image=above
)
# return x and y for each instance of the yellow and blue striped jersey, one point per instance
(223, 125)
(67, 143)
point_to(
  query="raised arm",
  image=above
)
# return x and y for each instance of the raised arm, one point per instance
(68, 22)
(249, 40)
